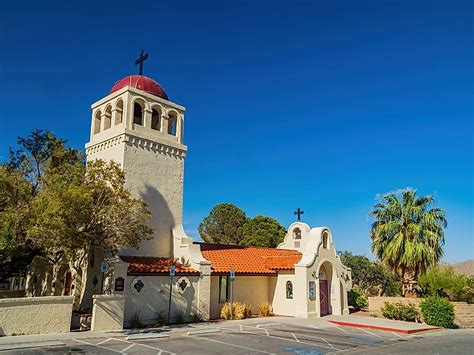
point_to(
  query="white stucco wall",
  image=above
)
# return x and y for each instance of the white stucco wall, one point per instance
(281, 304)
(153, 162)
(154, 298)
(35, 315)
(108, 313)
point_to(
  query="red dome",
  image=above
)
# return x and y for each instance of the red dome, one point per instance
(141, 82)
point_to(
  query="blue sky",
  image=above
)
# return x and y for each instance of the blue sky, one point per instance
(314, 104)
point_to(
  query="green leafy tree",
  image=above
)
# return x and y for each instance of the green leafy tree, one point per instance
(372, 278)
(444, 282)
(262, 231)
(408, 235)
(224, 224)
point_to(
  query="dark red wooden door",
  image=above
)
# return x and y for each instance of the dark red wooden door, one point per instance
(67, 284)
(323, 297)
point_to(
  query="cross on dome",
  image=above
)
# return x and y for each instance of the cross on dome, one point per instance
(143, 56)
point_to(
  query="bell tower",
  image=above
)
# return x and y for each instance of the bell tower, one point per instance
(137, 126)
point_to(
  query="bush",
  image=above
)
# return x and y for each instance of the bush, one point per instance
(135, 322)
(401, 311)
(443, 282)
(437, 311)
(160, 319)
(196, 317)
(180, 318)
(357, 299)
(237, 311)
(265, 309)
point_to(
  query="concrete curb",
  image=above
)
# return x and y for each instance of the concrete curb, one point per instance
(203, 331)
(389, 329)
(30, 345)
(142, 336)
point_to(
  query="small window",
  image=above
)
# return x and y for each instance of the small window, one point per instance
(138, 114)
(289, 290)
(223, 289)
(155, 120)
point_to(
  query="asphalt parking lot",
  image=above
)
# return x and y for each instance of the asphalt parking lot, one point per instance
(267, 338)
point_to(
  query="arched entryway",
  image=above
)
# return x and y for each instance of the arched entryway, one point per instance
(325, 279)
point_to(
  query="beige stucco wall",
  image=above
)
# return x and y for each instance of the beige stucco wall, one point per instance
(108, 312)
(154, 298)
(37, 315)
(282, 305)
(252, 290)
(153, 162)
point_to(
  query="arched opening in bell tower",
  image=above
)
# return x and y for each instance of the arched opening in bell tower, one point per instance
(97, 119)
(138, 110)
(156, 119)
(172, 123)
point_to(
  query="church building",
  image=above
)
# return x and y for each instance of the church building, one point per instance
(138, 126)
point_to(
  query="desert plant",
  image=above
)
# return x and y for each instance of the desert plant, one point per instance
(160, 319)
(265, 309)
(180, 319)
(357, 299)
(236, 310)
(135, 322)
(437, 311)
(374, 315)
(401, 311)
(226, 311)
(196, 317)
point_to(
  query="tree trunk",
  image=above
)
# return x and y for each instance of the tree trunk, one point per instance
(410, 284)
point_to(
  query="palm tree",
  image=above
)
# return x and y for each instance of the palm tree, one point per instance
(408, 235)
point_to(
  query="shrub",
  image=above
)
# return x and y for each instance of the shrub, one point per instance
(401, 311)
(237, 311)
(444, 282)
(357, 299)
(226, 311)
(160, 319)
(265, 309)
(135, 322)
(374, 315)
(196, 317)
(180, 318)
(437, 311)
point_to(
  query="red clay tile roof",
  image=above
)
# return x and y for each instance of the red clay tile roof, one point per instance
(155, 265)
(249, 260)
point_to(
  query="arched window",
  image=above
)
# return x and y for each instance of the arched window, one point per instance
(118, 112)
(138, 109)
(97, 119)
(155, 120)
(325, 240)
(289, 290)
(172, 123)
(108, 117)
(297, 233)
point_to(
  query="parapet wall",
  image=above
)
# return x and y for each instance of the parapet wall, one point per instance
(35, 315)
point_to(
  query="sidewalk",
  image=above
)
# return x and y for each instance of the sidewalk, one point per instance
(380, 324)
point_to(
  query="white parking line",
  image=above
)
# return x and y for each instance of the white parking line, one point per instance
(398, 335)
(146, 346)
(365, 330)
(285, 339)
(99, 346)
(104, 341)
(294, 336)
(229, 344)
(129, 347)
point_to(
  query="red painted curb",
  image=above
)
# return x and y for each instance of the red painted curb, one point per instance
(404, 331)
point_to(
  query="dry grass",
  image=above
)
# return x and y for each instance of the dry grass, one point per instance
(265, 309)
(238, 310)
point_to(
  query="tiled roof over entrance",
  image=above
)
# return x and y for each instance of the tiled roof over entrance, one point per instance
(139, 265)
(249, 260)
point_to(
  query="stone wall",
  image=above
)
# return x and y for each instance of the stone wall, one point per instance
(37, 315)
(376, 303)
